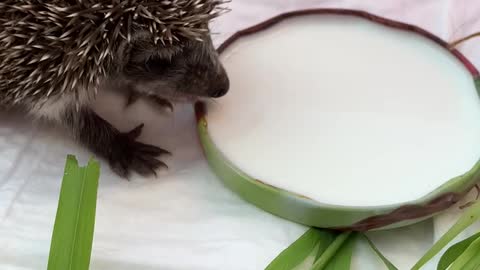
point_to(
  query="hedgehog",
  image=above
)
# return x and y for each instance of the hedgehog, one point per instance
(57, 55)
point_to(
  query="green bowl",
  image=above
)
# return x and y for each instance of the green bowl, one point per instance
(307, 211)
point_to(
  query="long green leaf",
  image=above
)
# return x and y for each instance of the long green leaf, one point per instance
(299, 250)
(343, 258)
(387, 263)
(471, 215)
(455, 251)
(468, 260)
(473, 264)
(74, 223)
(330, 252)
(328, 237)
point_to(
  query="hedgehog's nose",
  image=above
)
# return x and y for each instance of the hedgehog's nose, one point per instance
(221, 89)
(219, 93)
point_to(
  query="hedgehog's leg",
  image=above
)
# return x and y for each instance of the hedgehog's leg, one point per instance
(123, 152)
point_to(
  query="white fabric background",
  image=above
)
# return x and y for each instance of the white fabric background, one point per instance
(186, 219)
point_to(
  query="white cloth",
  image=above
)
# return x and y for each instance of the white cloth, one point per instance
(187, 219)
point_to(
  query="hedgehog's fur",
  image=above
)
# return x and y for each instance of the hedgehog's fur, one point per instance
(56, 54)
(52, 47)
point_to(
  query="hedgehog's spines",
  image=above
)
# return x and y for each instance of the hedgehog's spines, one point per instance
(66, 45)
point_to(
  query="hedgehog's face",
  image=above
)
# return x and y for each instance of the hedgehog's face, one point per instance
(178, 73)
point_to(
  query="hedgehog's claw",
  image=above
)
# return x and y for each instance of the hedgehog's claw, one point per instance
(129, 155)
(132, 97)
(162, 103)
(158, 102)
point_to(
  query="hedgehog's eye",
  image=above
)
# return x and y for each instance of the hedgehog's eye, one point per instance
(157, 65)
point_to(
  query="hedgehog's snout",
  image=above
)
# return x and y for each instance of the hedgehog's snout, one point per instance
(220, 87)
(220, 92)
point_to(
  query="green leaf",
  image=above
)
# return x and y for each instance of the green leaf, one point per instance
(327, 239)
(330, 252)
(455, 251)
(468, 260)
(473, 264)
(387, 263)
(343, 258)
(72, 236)
(299, 250)
(471, 215)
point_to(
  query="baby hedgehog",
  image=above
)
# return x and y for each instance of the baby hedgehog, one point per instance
(56, 55)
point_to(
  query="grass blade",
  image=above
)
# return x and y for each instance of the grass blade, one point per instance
(473, 264)
(387, 263)
(455, 251)
(469, 259)
(297, 252)
(471, 215)
(343, 258)
(327, 239)
(72, 236)
(330, 252)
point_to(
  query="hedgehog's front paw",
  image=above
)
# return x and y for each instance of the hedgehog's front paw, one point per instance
(157, 102)
(129, 155)
(162, 103)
